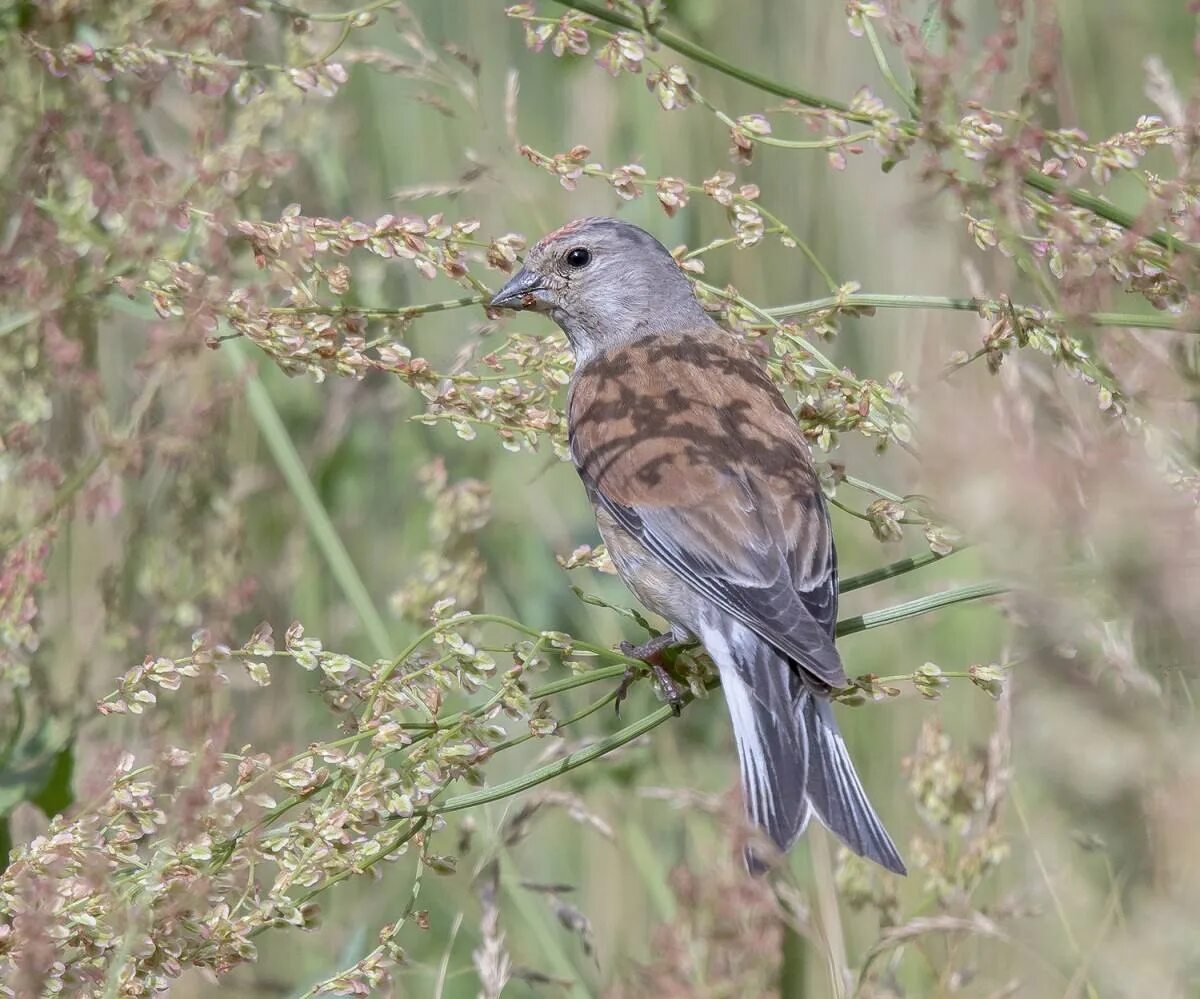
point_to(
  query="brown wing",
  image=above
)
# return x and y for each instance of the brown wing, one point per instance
(688, 445)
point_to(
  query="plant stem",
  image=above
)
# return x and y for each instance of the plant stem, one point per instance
(793, 965)
(702, 55)
(279, 443)
(898, 568)
(651, 721)
(1079, 198)
(402, 312)
(346, 15)
(913, 608)
(885, 68)
(976, 305)
(559, 767)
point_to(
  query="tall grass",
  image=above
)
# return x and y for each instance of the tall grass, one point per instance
(247, 376)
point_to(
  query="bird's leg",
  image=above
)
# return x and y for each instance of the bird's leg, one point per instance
(651, 653)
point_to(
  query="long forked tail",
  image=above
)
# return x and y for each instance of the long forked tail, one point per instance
(794, 762)
(835, 792)
(774, 761)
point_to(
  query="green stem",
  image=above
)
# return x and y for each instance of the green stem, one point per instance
(578, 716)
(1081, 199)
(889, 571)
(414, 828)
(346, 15)
(279, 443)
(886, 70)
(392, 930)
(849, 626)
(558, 767)
(403, 312)
(793, 965)
(976, 305)
(703, 56)
(874, 490)
(914, 608)
(806, 345)
(1098, 206)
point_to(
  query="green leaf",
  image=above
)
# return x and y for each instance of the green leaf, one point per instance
(38, 770)
(931, 23)
(56, 794)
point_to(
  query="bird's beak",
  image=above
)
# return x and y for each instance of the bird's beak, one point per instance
(523, 291)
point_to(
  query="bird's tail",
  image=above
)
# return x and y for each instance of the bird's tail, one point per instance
(834, 790)
(773, 755)
(794, 761)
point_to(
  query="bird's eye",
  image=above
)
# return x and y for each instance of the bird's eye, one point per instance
(579, 257)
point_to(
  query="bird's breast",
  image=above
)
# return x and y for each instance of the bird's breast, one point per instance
(656, 586)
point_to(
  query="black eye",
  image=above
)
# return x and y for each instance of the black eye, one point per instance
(579, 257)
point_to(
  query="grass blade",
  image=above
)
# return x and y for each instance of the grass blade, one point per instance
(279, 443)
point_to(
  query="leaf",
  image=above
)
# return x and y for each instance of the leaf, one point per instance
(931, 23)
(56, 794)
(38, 770)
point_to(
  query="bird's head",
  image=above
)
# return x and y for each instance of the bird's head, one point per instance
(605, 283)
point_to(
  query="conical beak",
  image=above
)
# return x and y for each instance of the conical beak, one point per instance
(523, 291)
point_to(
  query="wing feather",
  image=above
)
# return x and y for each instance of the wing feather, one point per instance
(689, 447)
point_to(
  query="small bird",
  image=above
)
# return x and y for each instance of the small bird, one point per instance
(706, 496)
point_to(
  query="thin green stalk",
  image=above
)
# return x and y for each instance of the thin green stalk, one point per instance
(870, 487)
(399, 312)
(279, 443)
(1098, 206)
(402, 838)
(541, 693)
(845, 508)
(891, 570)
(850, 626)
(885, 68)
(703, 56)
(830, 915)
(976, 305)
(1060, 910)
(578, 716)
(559, 767)
(345, 15)
(17, 321)
(393, 929)
(444, 964)
(1079, 198)
(804, 344)
(649, 866)
(914, 608)
(793, 964)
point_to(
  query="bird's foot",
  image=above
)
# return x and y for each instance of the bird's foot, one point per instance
(651, 653)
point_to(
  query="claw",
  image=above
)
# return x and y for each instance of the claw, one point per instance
(651, 653)
(669, 689)
(627, 679)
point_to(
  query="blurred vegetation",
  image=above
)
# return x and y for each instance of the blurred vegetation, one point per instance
(210, 417)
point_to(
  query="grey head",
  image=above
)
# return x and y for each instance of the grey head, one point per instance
(605, 283)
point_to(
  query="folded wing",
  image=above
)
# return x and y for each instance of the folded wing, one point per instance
(688, 445)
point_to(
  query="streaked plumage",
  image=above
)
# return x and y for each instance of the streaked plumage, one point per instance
(706, 496)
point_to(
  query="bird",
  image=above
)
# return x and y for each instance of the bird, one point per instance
(709, 504)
